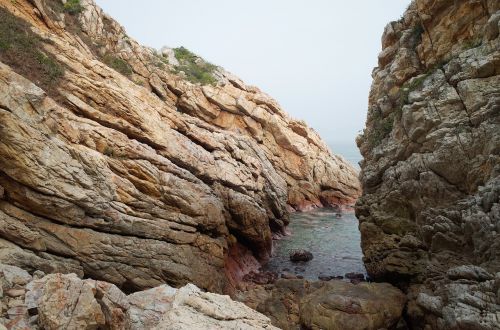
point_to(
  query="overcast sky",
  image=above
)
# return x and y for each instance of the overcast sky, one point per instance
(315, 57)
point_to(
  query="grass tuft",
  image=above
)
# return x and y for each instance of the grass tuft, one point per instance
(73, 7)
(22, 50)
(118, 64)
(195, 68)
(471, 43)
(381, 128)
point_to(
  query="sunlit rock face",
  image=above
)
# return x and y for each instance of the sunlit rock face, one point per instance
(114, 165)
(430, 213)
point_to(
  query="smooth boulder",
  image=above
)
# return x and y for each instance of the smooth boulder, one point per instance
(339, 305)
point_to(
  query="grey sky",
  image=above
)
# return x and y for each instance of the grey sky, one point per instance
(315, 57)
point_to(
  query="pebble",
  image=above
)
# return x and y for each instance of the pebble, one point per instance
(18, 310)
(325, 277)
(289, 276)
(15, 292)
(14, 303)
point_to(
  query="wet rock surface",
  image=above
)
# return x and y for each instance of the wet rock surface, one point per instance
(300, 255)
(429, 214)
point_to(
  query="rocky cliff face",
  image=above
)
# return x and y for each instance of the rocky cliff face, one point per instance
(116, 165)
(430, 213)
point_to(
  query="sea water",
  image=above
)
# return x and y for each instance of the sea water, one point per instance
(334, 243)
(348, 150)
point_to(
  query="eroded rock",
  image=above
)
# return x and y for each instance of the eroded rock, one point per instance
(297, 304)
(340, 305)
(64, 301)
(118, 159)
(429, 214)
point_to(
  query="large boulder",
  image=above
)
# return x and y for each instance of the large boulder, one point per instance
(64, 301)
(296, 304)
(339, 305)
(194, 309)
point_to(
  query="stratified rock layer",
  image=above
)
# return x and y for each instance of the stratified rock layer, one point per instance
(143, 177)
(430, 213)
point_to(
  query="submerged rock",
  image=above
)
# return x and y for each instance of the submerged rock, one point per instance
(301, 255)
(325, 277)
(355, 276)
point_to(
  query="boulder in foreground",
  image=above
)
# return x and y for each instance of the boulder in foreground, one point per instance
(296, 304)
(64, 301)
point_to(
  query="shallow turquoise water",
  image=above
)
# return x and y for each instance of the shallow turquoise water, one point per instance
(334, 242)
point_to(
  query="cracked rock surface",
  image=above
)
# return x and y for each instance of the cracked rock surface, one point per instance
(336, 305)
(64, 301)
(430, 212)
(116, 167)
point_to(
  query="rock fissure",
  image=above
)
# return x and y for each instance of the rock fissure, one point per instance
(449, 168)
(108, 164)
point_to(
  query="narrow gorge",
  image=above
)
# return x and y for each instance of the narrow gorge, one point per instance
(138, 187)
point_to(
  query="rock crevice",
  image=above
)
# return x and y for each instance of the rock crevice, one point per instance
(428, 215)
(117, 166)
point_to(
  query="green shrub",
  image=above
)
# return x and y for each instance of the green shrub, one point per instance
(73, 7)
(471, 43)
(108, 151)
(196, 69)
(410, 86)
(416, 35)
(184, 55)
(51, 68)
(23, 51)
(417, 32)
(161, 61)
(381, 127)
(118, 64)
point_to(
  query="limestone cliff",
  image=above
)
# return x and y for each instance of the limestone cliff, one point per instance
(128, 165)
(430, 213)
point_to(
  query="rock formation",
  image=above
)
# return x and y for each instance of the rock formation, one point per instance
(298, 304)
(136, 167)
(60, 301)
(430, 213)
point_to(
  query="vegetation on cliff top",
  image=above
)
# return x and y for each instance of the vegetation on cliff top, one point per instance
(194, 67)
(73, 7)
(22, 50)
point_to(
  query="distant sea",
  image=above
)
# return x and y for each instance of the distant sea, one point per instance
(348, 150)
